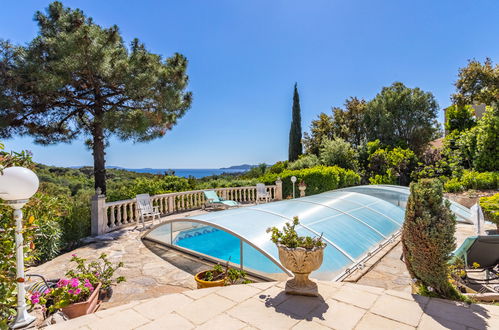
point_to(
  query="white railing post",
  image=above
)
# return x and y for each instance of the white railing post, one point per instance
(98, 225)
(278, 190)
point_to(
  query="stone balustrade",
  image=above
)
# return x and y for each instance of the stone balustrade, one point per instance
(109, 216)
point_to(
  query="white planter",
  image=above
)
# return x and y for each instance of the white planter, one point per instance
(301, 262)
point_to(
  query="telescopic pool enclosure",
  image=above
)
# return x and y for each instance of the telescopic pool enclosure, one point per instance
(354, 222)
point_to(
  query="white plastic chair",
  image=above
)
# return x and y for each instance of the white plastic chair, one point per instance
(261, 193)
(146, 209)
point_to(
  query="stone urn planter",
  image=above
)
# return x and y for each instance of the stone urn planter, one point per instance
(85, 307)
(301, 262)
(207, 284)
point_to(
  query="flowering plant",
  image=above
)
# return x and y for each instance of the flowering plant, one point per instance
(102, 270)
(66, 292)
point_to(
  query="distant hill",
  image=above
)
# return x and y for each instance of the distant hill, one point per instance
(239, 167)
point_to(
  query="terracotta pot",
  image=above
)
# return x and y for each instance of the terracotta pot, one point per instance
(85, 307)
(105, 294)
(301, 262)
(207, 284)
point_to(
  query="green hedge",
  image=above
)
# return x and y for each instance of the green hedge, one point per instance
(490, 207)
(473, 180)
(318, 179)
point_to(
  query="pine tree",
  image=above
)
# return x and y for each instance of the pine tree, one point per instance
(295, 146)
(77, 78)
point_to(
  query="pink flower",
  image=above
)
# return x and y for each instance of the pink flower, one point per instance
(70, 291)
(62, 282)
(46, 291)
(73, 255)
(74, 282)
(77, 291)
(35, 297)
(88, 284)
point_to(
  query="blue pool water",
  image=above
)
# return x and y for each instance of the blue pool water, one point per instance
(224, 246)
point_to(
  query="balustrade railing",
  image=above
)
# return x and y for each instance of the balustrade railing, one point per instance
(109, 216)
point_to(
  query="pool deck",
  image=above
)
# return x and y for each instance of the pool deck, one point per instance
(159, 294)
(265, 306)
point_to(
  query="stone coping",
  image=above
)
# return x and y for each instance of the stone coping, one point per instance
(266, 306)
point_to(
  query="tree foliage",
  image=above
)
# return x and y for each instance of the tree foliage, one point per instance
(428, 237)
(402, 117)
(338, 152)
(320, 129)
(295, 145)
(349, 123)
(459, 118)
(78, 78)
(477, 83)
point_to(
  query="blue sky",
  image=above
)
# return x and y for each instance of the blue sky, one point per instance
(245, 56)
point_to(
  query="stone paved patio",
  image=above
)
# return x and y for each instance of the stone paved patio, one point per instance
(147, 274)
(266, 306)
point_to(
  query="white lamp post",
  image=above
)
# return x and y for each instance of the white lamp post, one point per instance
(293, 179)
(17, 185)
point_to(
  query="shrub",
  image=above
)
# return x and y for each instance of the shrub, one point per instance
(305, 161)
(338, 152)
(318, 179)
(473, 180)
(490, 207)
(278, 167)
(428, 237)
(44, 211)
(8, 282)
(487, 141)
(76, 222)
(391, 166)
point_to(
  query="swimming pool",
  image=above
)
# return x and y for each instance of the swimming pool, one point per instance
(353, 225)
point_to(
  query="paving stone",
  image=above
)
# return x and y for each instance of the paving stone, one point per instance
(262, 285)
(74, 323)
(156, 308)
(222, 321)
(203, 309)
(376, 322)
(340, 315)
(486, 310)
(256, 314)
(436, 323)
(405, 311)
(200, 293)
(451, 311)
(349, 294)
(301, 307)
(239, 293)
(128, 319)
(327, 290)
(273, 296)
(367, 288)
(309, 325)
(114, 310)
(169, 321)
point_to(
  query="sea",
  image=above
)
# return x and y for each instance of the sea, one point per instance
(187, 172)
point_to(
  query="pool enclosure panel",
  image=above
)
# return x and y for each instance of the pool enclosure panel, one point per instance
(354, 222)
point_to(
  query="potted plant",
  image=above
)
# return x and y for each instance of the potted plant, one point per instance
(74, 296)
(217, 276)
(301, 255)
(103, 270)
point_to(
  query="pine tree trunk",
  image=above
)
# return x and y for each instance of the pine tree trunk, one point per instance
(98, 153)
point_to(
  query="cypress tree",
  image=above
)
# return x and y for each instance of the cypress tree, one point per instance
(295, 146)
(428, 237)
